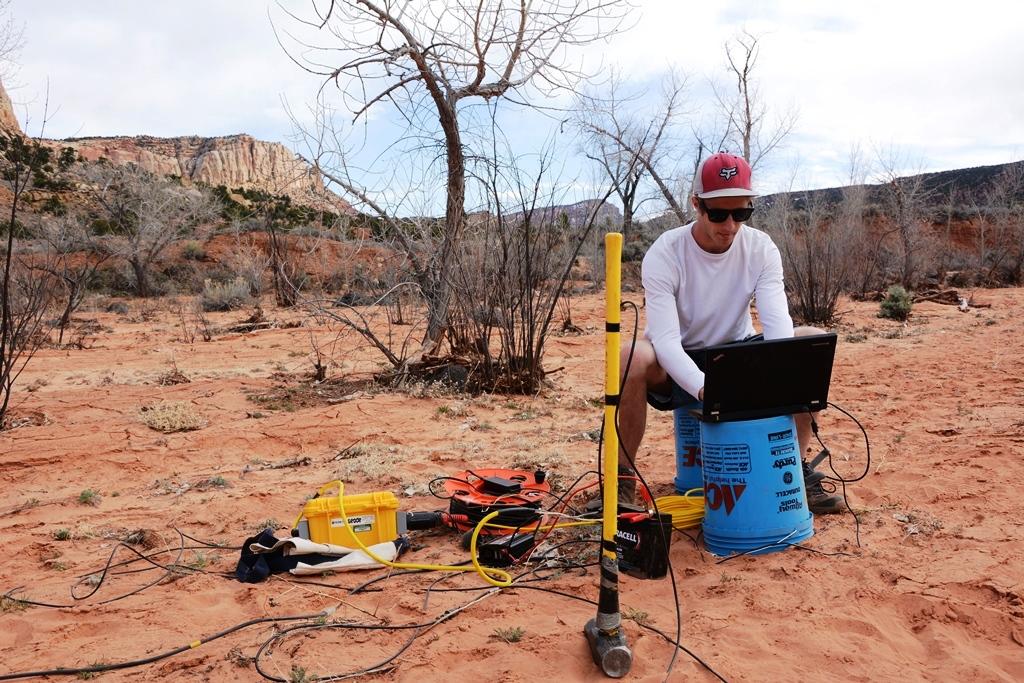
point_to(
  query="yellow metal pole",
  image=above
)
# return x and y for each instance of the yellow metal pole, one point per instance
(610, 461)
(604, 634)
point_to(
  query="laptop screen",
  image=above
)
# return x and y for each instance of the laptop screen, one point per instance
(752, 380)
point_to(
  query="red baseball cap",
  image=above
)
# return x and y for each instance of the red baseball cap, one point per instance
(723, 175)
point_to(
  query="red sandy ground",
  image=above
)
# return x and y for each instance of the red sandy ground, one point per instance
(933, 592)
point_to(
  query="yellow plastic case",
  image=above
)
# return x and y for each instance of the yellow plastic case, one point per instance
(373, 517)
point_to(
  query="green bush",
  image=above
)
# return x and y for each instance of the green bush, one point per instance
(193, 251)
(54, 205)
(112, 281)
(226, 296)
(89, 497)
(896, 304)
(634, 251)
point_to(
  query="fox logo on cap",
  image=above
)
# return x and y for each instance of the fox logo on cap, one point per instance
(723, 175)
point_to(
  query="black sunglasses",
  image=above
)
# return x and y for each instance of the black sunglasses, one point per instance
(719, 215)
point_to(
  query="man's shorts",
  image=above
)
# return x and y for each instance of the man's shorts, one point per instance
(679, 397)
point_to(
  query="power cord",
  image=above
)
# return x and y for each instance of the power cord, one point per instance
(520, 582)
(487, 573)
(381, 666)
(838, 477)
(99, 668)
(96, 579)
(752, 551)
(687, 510)
(678, 645)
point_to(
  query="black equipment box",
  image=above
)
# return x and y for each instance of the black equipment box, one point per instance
(643, 544)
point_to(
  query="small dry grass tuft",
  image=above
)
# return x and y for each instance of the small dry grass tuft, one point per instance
(639, 616)
(374, 462)
(454, 410)
(168, 417)
(172, 377)
(32, 418)
(147, 538)
(9, 604)
(509, 634)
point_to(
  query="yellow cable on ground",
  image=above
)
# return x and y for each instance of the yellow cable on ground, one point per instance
(492, 575)
(687, 510)
(480, 569)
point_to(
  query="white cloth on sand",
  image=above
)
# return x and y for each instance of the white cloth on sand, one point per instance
(348, 558)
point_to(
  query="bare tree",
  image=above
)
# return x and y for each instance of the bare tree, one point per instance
(429, 60)
(625, 173)
(144, 214)
(286, 273)
(508, 273)
(813, 238)
(629, 146)
(743, 124)
(745, 109)
(1004, 222)
(74, 259)
(25, 297)
(866, 254)
(511, 273)
(907, 201)
(12, 38)
(949, 248)
(247, 258)
(615, 138)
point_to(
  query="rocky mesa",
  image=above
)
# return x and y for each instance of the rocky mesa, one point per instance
(235, 161)
(8, 121)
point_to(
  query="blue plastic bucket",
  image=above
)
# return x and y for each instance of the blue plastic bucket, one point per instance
(688, 470)
(754, 499)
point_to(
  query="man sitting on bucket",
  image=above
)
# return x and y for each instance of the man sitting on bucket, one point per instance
(699, 280)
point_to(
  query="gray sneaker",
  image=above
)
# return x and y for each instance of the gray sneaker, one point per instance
(819, 501)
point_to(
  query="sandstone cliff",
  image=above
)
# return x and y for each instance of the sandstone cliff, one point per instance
(8, 121)
(233, 161)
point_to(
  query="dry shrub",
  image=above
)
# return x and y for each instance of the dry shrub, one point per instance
(147, 538)
(14, 420)
(226, 296)
(172, 416)
(171, 377)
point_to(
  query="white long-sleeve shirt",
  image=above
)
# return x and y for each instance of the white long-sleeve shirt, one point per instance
(697, 299)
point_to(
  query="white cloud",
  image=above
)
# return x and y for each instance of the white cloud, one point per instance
(124, 68)
(940, 79)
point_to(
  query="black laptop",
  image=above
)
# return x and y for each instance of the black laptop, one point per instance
(756, 379)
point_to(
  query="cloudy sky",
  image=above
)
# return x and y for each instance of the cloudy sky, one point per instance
(936, 84)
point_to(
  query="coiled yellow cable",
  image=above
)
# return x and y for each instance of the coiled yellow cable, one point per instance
(492, 575)
(687, 510)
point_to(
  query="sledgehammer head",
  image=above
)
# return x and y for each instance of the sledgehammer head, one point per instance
(610, 652)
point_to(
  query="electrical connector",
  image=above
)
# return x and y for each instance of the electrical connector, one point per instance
(503, 551)
(415, 521)
(499, 486)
